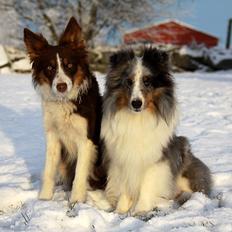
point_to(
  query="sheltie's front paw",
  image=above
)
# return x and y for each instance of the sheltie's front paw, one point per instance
(141, 208)
(122, 209)
(124, 204)
(139, 212)
(142, 213)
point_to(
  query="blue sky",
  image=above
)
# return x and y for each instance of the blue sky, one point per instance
(208, 15)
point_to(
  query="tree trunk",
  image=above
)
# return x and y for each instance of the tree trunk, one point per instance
(89, 33)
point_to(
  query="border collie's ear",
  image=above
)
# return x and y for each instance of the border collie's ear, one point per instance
(34, 43)
(121, 57)
(72, 34)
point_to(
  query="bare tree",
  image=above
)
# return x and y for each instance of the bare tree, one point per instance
(101, 20)
(108, 17)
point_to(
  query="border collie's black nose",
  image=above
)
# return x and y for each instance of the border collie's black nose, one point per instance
(136, 104)
(61, 87)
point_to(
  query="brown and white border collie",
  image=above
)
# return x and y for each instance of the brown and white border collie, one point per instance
(71, 106)
(147, 163)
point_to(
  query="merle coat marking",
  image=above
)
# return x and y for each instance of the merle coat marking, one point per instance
(147, 163)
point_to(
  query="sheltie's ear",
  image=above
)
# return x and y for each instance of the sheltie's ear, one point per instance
(156, 57)
(72, 34)
(121, 57)
(35, 43)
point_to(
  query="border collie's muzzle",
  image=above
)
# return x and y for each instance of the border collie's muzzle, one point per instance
(61, 87)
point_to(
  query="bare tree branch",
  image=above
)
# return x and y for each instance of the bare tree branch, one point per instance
(101, 20)
(47, 20)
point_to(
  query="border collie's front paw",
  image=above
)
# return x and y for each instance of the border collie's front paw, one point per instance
(77, 197)
(45, 194)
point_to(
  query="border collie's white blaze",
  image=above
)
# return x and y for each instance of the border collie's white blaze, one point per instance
(72, 109)
(62, 87)
(143, 154)
(61, 84)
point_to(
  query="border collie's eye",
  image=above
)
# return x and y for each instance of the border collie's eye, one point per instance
(70, 65)
(70, 68)
(49, 70)
(129, 83)
(147, 81)
(49, 67)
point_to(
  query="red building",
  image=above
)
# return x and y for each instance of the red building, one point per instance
(170, 32)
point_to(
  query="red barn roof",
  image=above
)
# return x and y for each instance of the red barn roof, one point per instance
(170, 32)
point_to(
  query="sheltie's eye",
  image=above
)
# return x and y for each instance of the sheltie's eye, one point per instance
(129, 83)
(147, 81)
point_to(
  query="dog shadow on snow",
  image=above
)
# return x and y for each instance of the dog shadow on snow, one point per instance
(24, 129)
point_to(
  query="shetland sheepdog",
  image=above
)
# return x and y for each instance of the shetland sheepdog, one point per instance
(71, 109)
(148, 165)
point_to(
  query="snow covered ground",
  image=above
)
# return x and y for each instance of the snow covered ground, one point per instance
(206, 106)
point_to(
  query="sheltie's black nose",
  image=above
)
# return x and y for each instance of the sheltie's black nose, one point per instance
(136, 104)
(61, 87)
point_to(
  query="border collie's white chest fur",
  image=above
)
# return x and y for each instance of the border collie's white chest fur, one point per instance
(69, 127)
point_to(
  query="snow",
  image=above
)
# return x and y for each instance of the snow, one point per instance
(3, 56)
(219, 54)
(186, 50)
(22, 65)
(206, 106)
(5, 70)
(215, 54)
